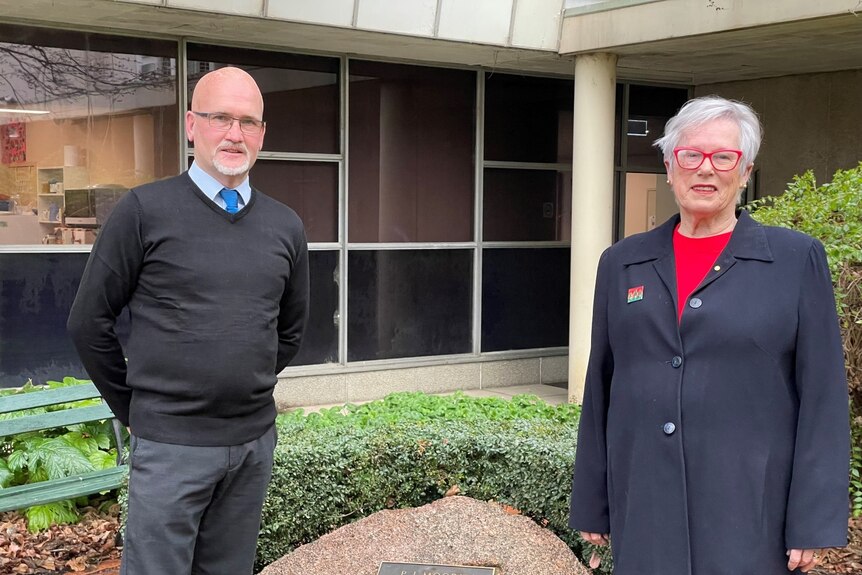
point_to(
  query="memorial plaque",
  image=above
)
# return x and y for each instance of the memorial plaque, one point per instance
(390, 568)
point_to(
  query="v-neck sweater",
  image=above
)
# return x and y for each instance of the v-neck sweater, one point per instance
(217, 302)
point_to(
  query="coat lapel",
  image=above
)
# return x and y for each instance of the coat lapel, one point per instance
(748, 242)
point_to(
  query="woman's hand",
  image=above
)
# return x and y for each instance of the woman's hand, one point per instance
(595, 538)
(803, 559)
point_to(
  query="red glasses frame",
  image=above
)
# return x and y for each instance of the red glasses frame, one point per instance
(706, 155)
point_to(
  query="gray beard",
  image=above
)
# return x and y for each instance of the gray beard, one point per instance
(226, 171)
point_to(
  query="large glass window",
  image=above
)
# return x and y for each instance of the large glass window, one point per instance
(411, 153)
(300, 94)
(320, 342)
(36, 293)
(645, 199)
(409, 303)
(310, 188)
(525, 298)
(83, 117)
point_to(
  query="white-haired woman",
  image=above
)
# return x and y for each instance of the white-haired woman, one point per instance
(714, 436)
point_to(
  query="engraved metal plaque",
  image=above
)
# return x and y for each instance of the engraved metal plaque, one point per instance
(390, 568)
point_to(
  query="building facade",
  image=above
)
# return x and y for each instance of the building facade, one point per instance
(459, 166)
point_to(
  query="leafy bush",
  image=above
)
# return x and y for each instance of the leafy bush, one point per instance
(54, 453)
(409, 450)
(832, 212)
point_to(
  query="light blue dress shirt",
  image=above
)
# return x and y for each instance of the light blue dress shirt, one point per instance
(211, 187)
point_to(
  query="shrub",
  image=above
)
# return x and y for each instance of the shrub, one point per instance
(409, 450)
(832, 212)
(54, 453)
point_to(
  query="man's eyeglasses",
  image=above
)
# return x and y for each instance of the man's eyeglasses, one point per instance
(224, 122)
(692, 158)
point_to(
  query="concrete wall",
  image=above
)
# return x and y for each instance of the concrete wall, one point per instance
(810, 121)
(532, 24)
(622, 23)
(343, 387)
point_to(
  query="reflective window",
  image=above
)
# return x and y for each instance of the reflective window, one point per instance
(411, 153)
(310, 188)
(320, 342)
(525, 298)
(522, 205)
(528, 119)
(83, 117)
(409, 303)
(36, 293)
(300, 94)
(650, 108)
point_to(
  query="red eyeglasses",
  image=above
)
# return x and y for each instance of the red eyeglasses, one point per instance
(692, 158)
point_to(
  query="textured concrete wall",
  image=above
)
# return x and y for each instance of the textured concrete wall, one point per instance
(810, 121)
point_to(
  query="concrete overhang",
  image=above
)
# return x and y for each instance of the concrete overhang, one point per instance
(706, 41)
(157, 21)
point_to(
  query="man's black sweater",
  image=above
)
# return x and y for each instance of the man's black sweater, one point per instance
(218, 304)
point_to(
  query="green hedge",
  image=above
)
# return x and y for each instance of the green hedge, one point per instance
(407, 451)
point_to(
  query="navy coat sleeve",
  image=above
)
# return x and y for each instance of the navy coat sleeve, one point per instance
(589, 500)
(817, 502)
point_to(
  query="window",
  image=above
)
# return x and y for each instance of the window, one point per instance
(83, 118)
(411, 153)
(409, 303)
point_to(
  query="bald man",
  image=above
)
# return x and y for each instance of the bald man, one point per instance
(215, 277)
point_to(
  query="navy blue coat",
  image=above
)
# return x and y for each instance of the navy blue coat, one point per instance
(711, 445)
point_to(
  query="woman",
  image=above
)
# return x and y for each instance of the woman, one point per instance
(714, 436)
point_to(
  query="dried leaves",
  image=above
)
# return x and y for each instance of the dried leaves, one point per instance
(60, 549)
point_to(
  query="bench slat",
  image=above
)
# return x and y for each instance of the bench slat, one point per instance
(54, 419)
(45, 397)
(23, 496)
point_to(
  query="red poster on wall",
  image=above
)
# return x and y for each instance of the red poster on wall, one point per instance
(13, 140)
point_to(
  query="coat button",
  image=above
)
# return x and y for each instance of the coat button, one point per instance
(695, 302)
(669, 428)
(676, 361)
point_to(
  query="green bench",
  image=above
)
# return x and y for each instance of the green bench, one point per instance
(23, 496)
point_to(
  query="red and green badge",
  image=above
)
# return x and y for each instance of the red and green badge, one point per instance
(635, 294)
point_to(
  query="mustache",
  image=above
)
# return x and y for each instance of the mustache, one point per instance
(233, 146)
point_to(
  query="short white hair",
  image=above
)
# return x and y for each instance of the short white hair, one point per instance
(699, 111)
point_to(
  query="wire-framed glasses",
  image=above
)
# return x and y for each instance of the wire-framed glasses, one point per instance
(692, 158)
(223, 122)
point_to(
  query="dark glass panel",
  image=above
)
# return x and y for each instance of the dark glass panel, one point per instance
(528, 119)
(300, 94)
(525, 298)
(650, 108)
(409, 303)
(310, 188)
(527, 205)
(36, 293)
(320, 342)
(411, 153)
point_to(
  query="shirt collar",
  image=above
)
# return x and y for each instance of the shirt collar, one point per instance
(211, 187)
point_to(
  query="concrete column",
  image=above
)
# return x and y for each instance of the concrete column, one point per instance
(592, 198)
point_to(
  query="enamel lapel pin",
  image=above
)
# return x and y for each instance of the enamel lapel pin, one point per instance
(635, 294)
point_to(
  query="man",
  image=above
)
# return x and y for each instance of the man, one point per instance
(215, 277)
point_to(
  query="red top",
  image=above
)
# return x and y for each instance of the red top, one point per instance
(694, 257)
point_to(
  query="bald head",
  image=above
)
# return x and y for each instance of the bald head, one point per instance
(217, 79)
(225, 153)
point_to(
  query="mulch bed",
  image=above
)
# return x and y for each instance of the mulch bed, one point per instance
(86, 548)
(89, 548)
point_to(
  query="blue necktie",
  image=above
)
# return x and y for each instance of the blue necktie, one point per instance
(231, 200)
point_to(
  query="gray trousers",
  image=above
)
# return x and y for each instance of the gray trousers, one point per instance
(195, 510)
